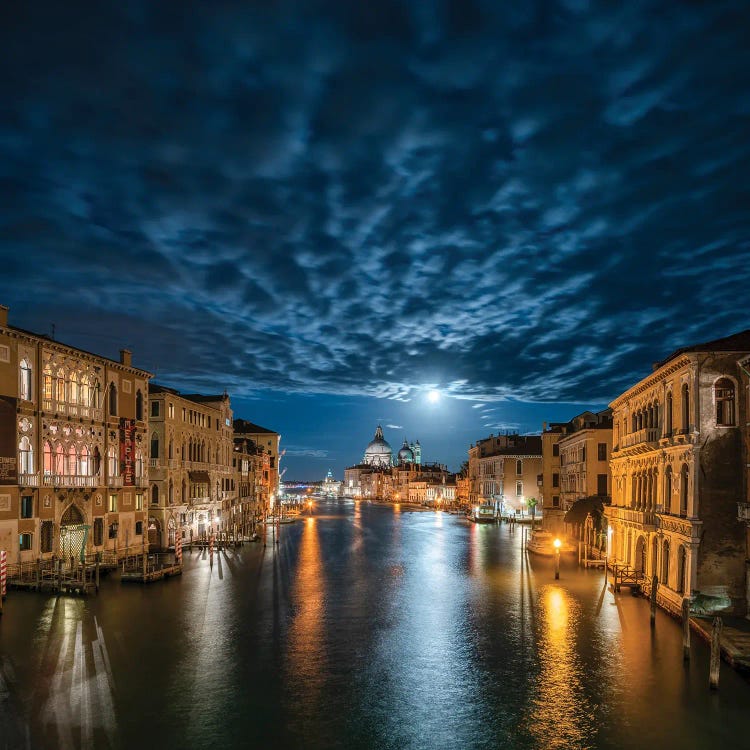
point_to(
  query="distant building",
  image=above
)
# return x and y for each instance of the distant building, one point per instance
(267, 440)
(677, 474)
(331, 487)
(378, 453)
(506, 471)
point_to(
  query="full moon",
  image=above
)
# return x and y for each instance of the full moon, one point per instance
(433, 397)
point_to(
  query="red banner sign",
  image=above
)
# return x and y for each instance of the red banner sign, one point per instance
(127, 451)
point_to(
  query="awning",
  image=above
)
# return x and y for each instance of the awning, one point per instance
(582, 507)
(199, 477)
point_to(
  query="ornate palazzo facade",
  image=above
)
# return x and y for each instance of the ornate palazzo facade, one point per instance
(72, 449)
(677, 474)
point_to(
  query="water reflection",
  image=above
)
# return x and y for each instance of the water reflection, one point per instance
(560, 710)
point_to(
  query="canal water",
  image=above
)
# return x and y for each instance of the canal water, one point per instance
(365, 627)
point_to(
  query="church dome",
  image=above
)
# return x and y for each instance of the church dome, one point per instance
(406, 454)
(378, 452)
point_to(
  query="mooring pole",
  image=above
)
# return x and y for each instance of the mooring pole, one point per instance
(654, 591)
(686, 629)
(713, 678)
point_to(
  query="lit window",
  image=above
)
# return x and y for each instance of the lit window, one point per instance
(26, 456)
(139, 501)
(112, 505)
(25, 385)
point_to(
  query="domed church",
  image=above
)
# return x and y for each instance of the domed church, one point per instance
(378, 452)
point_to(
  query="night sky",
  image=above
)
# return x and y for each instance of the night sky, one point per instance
(329, 209)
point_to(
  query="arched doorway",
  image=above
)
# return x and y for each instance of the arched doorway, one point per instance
(154, 533)
(73, 534)
(639, 563)
(655, 556)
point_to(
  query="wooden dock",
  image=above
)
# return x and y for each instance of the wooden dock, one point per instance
(56, 575)
(146, 568)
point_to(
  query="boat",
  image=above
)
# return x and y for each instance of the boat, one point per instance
(484, 513)
(542, 543)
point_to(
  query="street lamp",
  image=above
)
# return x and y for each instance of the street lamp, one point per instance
(557, 558)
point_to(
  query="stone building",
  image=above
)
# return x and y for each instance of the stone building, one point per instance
(677, 473)
(553, 511)
(72, 449)
(252, 476)
(190, 459)
(268, 441)
(506, 471)
(743, 505)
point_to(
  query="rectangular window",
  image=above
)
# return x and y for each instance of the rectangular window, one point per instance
(139, 501)
(24, 542)
(139, 528)
(555, 501)
(112, 506)
(519, 488)
(98, 532)
(171, 411)
(46, 536)
(555, 480)
(601, 484)
(583, 453)
(555, 450)
(154, 408)
(27, 506)
(113, 530)
(601, 451)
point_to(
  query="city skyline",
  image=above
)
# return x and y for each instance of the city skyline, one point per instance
(330, 215)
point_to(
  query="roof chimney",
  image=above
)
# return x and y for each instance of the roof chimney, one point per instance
(126, 357)
(3, 315)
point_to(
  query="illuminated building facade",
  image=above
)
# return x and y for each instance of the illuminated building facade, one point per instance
(72, 449)
(677, 475)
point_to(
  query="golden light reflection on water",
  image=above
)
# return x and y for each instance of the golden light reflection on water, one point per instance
(306, 644)
(561, 715)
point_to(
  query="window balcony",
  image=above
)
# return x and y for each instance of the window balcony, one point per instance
(743, 512)
(639, 437)
(174, 463)
(140, 482)
(154, 463)
(28, 480)
(70, 480)
(114, 481)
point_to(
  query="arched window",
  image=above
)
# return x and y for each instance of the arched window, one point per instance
(139, 405)
(95, 389)
(113, 465)
(26, 456)
(139, 464)
(112, 400)
(24, 390)
(684, 490)
(73, 390)
(60, 386)
(681, 560)
(48, 461)
(519, 465)
(668, 489)
(154, 445)
(84, 391)
(47, 382)
(171, 492)
(171, 448)
(72, 464)
(668, 414)
(84, 465)
(685, 408)
(59, 459)
(665, 563)
(724, 393)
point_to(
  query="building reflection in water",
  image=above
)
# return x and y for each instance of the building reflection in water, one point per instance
(560, 714)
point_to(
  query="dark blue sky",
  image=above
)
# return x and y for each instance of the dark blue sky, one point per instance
(328, 208)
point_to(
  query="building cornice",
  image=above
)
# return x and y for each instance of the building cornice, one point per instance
(651, 380)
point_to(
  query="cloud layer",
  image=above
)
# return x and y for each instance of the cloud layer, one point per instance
(502, 200)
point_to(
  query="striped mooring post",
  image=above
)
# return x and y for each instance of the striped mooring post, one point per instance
(3, 577)
(178, 547)
(211, 548)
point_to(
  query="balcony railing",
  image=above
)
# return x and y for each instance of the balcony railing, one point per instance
(743, 512)
(646, 435)
(154, 463)
(28, 480)
(174, 463)
(114, 481)
(69, 480)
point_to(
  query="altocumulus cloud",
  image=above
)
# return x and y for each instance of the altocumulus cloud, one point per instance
(505, 199)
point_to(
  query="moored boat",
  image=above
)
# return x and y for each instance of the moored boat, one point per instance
(484, 513)
(543, 543)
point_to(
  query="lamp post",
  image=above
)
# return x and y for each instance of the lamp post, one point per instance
(557, 558)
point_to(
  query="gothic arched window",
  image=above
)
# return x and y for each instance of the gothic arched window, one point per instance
(724, 392)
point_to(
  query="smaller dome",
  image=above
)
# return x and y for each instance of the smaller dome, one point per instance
(406, 454)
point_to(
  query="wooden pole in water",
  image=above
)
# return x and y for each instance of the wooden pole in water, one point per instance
(686, 629)
(96, 573)
(713, 677)
(654, 591)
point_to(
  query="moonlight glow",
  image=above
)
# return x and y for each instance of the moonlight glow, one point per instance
(433, 396)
